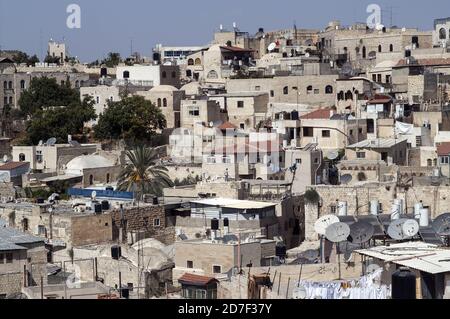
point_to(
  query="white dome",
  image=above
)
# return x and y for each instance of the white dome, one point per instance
(78, 164)
(164, 88)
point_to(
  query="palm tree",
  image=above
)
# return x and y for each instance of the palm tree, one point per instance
(143, 174)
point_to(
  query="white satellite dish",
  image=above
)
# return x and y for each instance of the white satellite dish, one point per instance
(372, 268)
(307, 55)
(94, 195)
(395, 230)
(272, 47)
(332, 155)
(337, 232)
(5, 159)
(41, 142)
(322, 223)
(411, 228)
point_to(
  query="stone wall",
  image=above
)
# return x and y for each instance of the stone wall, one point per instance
(11, 283)
(91, 230)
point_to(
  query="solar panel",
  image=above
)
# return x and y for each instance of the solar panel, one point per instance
(429, 236)
(373, 220)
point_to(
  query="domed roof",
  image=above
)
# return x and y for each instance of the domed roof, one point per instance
(88, 161)
(192, 88)
(164, 88)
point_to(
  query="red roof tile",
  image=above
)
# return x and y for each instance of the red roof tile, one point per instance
(226, 126)
(12, 165)
(318, 114)
(443, 149)
(380, 99)
(196, 280)
(425, 62)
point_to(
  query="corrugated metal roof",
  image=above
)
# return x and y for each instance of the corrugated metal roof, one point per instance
(233, 203)
(377, 143)
(11, 239)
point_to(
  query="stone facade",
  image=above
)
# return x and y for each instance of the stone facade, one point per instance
(91, 230)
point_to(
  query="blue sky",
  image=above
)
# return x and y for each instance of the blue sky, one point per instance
(111, 25)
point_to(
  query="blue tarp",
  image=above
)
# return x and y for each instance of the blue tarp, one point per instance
(100, 193)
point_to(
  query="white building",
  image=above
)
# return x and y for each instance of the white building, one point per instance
(148, 75)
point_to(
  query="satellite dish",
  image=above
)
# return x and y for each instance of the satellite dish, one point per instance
(333, 155)
(410, 228)
(94, 195)
(307, 55)
(322, 223)
(395, 230)
(5, 159)
(41, 142)
(272, 47)
(74, 143)
(441, 225)
(372, 268)
(345, 179)
(51, 141)
(361, 232)
(337, 232)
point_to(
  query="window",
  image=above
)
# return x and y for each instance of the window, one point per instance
(360, 130)
(360, 155)
(364, 52)
(91, 180)
(25, 224)
(240, 104)
(190, 264)
(430, 162)
(391, 48)
(348, 95)
(326, 133)
(309, 89)
(298, 161)
(10, 100)
(316, 91)
(41, 230)
(164, 74)
(341, 96)
(5, 100)
(257, 88)
(272, 93)
(308, 132)
(211, 160)
(188, 73)
(198, 61)
(374, 77)
(286, 90)
(217, 269)
(444, 160)
(10, 85)
(21, 157)
(156, 222)
(191, 62)
(2, 258)
(212, 75)
(98, 100)
(126, 74)
(388, 78)
(226, 160)
(174, 75)
(328, 89)
(242, 126)
(379, 78)
(159, 103)
(39, 157)
(380, 49)
(164, 102)
(5, 85)
(415, 41)
(108, 178)
(194, 111)
(22, 84)
(351, 132)
(9, 258)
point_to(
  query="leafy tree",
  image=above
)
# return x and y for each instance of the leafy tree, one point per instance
(144, 174)
(22, 57)
(59, 122)
(112, 60)
(52, 59)
(132, 118)
(45, 92)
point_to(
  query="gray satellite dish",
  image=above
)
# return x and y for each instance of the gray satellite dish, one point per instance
(411, 228)
(441, 225)
(337, 232)
(74, 143)
(272, 47)
(322, 223)
(51, 141)
(333, 155)
(361, 232)
(345, 179)
(395, 230)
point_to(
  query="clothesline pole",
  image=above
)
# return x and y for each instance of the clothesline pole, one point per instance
(300, 274)
(287, 290)
(279, 283)
(339, 263)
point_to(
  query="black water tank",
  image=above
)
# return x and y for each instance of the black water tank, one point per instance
(105, 205)
(98, 208)
(156, 56)
(214, 224)
(116, 252)
(40, 201)
(126, 292)
(403, 284)
(294, 116)
(280, 250)
(226, 222)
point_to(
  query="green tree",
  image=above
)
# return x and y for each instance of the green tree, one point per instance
(46, 92)
(112, 60)
(144, 174)
(133, 118)
(22, 57)
(52, 59)
(59, 122)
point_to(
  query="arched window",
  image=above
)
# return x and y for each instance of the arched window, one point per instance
(364, 52)
(5, 85)
(328, 89)
(430, 162)
(164, 74)
(159, 103)
(380, 48)
(442, 34)
(341, 96)
(22, 84)
(91, 180)
(108, 178)
(10, 85)
(391, 48)
(213, 75)
(309, 89)
(191, 62)
(165, 102)
(286, 90)
(198, 61)
(126, 74)
(10, 100)
(22, 157)
(77, 84)
(348, 95)
(174, 74)
(25, 225)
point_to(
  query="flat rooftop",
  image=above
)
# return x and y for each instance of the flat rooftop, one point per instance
(377, 143)
(233, 203)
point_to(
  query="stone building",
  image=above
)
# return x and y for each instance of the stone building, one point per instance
(101, 95)
(202, 111)
(57, 50)
(148, 75)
